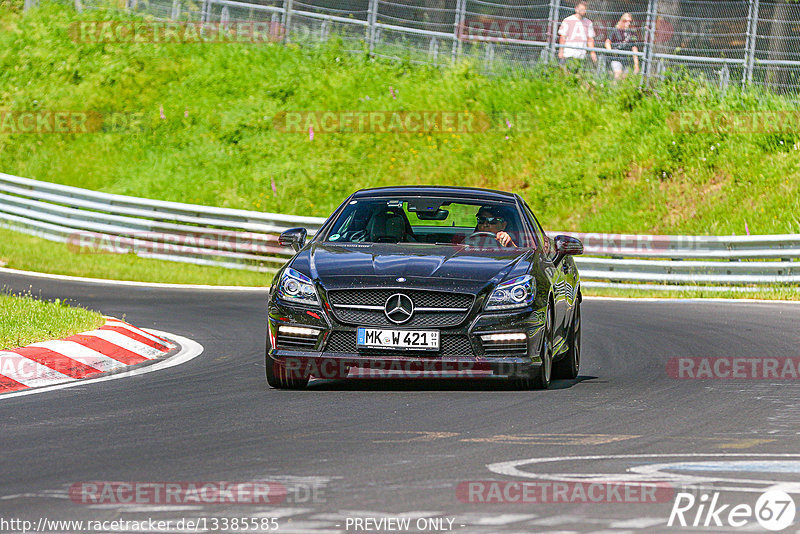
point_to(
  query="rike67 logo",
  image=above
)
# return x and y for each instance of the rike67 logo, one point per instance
(774, 510)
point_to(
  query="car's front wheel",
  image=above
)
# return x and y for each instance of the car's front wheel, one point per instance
(568, 366)
(540, 377)
(279, 377)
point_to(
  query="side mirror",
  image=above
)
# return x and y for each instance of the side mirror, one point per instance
(293, 237)
(567, 246)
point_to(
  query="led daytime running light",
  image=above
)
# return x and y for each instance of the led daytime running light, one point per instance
(518, 336)
(298, 330)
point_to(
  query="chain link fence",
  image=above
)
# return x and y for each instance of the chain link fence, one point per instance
(726, 41)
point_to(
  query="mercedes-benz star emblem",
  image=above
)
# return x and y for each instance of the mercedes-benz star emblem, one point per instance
(399, 308)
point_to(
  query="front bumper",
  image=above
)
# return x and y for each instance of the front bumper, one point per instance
(323, 357)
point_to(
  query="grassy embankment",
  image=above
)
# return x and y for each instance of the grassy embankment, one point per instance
(587, 156)
(25, 320)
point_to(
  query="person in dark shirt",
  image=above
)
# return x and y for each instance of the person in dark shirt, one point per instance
(622, 37)
(493, 220)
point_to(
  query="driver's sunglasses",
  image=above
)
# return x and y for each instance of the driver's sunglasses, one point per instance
(490, 220)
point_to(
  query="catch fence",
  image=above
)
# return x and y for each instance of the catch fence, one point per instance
(727, 42)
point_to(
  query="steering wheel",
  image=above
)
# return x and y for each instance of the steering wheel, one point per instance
(357, 237)
(479, 238)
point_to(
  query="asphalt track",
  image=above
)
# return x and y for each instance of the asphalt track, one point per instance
(369, 448)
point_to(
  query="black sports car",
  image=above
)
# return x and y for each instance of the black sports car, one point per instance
(407, 280)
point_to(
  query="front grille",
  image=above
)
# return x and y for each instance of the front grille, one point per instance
(420, 298)
(418, 320)
(450, 345)
(289, 342)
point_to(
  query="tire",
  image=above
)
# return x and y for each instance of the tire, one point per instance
(540, 377)
(569, 366)
(278, 377)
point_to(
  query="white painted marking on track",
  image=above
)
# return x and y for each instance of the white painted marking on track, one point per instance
(640, 522)
(125, 342)
(190, 349)
(145, 508)
(280, 512)
(82, 354)
(674, 300)
(758, 466)
(131, 328)
(29, 372)
(130, 283)
(495, 520)
(566, 519)
(640, 474)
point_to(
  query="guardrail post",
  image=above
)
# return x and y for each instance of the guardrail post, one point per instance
(324, 30)
(287, 19)
(372, 18)
(553, 25)
(176, 10)
(29, 4)
(224, 16)
(752, 37)
(490, 57)
(433, 50)
(458, 27)
(724, 78)
(78, 6)
(650, 38)
(205, 11)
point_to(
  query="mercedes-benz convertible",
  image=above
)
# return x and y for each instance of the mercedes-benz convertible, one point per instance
(426, 281)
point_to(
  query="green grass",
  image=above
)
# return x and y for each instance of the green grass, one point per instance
(766, 293)
(25, 320)
(587, 156)
(21, 251)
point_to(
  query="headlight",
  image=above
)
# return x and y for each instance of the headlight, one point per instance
(297, 288)
(516, 293)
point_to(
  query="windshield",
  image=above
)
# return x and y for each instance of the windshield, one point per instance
(442, 221)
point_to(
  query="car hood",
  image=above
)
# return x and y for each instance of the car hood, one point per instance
(351, 265)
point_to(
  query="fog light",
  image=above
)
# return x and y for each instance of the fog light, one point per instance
(298, 330)
(517, 336)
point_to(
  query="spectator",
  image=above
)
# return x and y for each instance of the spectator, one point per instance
(576, 30)
(623, 38)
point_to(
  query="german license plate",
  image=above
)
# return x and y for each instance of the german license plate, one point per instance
(380, 338)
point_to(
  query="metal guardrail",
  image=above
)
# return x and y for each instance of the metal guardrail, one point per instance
(90, 220)
(100, 222)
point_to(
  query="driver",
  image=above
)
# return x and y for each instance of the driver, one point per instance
(492, 220)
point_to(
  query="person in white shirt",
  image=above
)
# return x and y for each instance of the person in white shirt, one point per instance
(576, 30)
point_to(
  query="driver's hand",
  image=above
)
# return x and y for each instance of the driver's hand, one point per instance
(504, 239)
